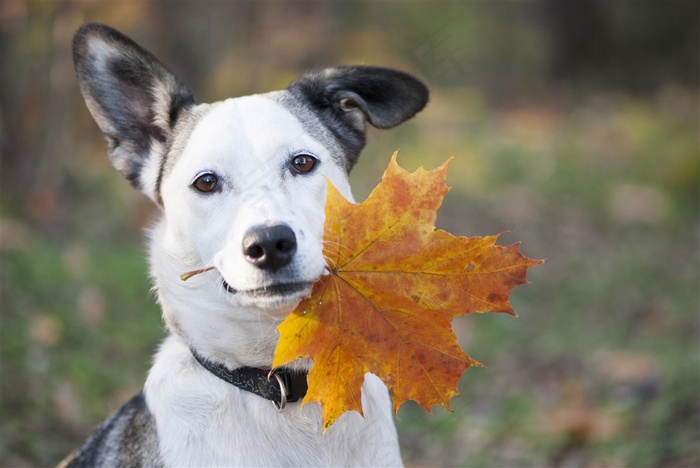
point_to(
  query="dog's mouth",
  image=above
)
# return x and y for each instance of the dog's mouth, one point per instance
(273, 290)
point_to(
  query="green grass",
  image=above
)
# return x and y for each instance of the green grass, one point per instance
(74, 342)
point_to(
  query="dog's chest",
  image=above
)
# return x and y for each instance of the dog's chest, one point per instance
(203, 421)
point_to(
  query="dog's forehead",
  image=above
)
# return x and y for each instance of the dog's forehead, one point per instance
(260, 126)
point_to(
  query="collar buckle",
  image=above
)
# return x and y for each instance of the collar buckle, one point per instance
(283, 390)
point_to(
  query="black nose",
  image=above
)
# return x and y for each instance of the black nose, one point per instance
(270, 247)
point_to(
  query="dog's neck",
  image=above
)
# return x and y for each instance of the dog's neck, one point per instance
(281, 386)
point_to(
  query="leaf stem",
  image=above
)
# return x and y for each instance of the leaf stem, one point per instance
(190, 274)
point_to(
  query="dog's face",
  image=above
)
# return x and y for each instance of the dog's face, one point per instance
(241, 182)
(247, 193)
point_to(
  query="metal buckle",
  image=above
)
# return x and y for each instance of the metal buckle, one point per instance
(283, 390)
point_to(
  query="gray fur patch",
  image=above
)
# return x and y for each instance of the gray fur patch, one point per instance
(314, 126)
(128, 438)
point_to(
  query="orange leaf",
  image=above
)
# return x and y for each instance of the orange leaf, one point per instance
(395, 284)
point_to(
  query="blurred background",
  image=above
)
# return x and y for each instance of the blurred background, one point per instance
(575, 127)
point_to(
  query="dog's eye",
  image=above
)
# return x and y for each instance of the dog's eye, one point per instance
(206, 183)
(304, 163)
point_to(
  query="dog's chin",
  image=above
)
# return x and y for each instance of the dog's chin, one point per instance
(283, 296)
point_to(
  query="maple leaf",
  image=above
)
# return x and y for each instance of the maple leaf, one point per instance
(394, 287)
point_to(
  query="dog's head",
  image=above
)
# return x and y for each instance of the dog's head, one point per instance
(241, 182)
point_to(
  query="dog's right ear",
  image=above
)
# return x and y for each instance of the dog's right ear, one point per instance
(133, 98)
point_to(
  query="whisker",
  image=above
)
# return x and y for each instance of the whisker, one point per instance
(335, 248)
(335, 244)
(330, 264)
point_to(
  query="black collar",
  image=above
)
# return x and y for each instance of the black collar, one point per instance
(281, 386)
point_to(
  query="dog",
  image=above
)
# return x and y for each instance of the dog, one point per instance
(241, 186)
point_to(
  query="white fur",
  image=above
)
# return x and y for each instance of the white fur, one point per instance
(201, 420)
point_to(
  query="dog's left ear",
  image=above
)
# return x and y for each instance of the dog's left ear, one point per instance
(133, 98)
(346, 98)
